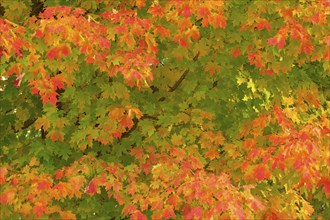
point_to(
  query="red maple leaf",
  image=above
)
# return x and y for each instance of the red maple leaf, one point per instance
(185, 11)
(156, 10)
(39, 210)
(7, 197)
(58, 174)
(326, 185)
(173, 200)
(138, 216)
(44, 185)
(57, 82)
(263, 24)
(168, 212)
(220, 21)
(261, 172)
(91, 188)
(277, 40)
(14, 181)
(137, 152)
(39, 34)
(53, 53)
(236, 52)
(65, 50)
(197, 212)
(3, 173)
(129, 209)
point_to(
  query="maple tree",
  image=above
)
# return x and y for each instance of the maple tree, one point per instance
(165, 109)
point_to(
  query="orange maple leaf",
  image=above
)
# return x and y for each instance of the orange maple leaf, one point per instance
(3, 173)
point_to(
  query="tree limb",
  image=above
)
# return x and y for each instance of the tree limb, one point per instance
(183, 76)
(177, 83)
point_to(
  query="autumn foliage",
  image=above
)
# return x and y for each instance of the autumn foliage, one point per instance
(165, 109)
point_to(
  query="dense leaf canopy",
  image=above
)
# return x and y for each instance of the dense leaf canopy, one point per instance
(164, 109)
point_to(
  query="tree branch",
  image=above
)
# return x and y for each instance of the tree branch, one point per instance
(136, 122)
(26, 124)
(177, 83)
(183, 76)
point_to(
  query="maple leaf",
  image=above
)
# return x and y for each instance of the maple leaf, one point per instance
(44, 185)
(14, 181)
(185, 11)
(53, 53)
(162, 31)
(177, 140)
(236, 52)
(263, 24)
(57, 82)
(39, 210)
(326, 185)
(39, 34)
(178, 153)
(278, 40)
(140, 3)
(138, 216)
(55, 135)
(156, 10)
(137, 152)
(91, 188)
(281, 119)
(67, 215)
(3, 173)
(173, 200)
(219, 21)
(212, 154)
(168, 212)
(59, 174)
(42, 122)
(129, 209)
(34, 162)
(212, 68)
(13, 69)
(196, 212)
(65, 49)
(194, 32)
(7, 197)
(261, 172)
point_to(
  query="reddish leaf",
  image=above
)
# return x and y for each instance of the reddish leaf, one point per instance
(39, 34)
(53, 53)
(58, 174)
(7, 197)
(91, 188)
(156, 10)
(263, 24)
(168, 213)
(137, 152)
(129, 209)
(44, 185)
(178, 153)
(138, 216)
(3, 173)
(261, 172)
(39, 210)
(185, 11)
(326, 185)
(197, 212)
(68, 215)
(212, 154)
(236, 52)
(173, 200)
